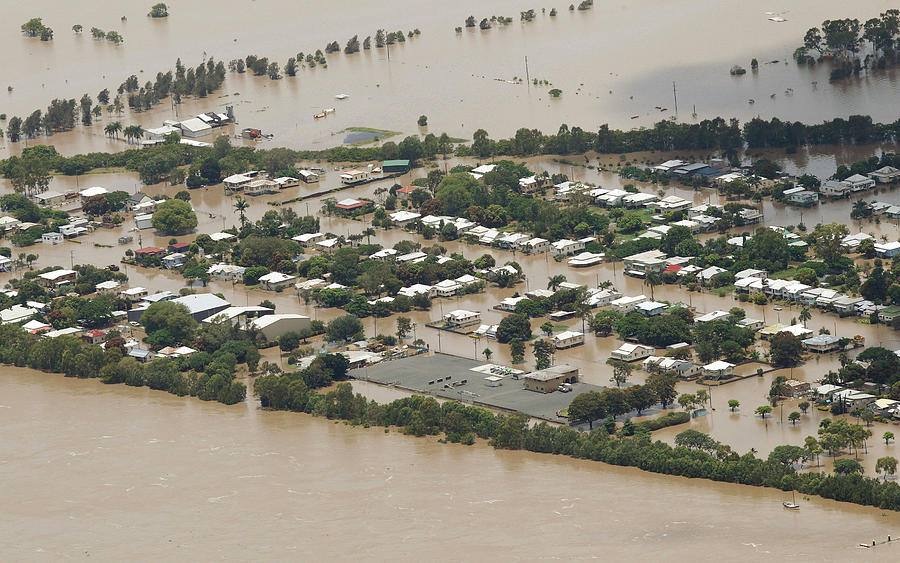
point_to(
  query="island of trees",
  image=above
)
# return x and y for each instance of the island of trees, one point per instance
(851, 45)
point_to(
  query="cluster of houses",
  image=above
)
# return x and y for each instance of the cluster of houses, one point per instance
(198, 126)
(258, 182)
(855, 399)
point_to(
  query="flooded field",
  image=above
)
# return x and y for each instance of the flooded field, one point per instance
(612, 62)
(109, 470)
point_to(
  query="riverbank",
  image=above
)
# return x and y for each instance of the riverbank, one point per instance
(111, 469)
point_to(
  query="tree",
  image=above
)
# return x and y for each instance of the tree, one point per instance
(696, 440)
(763, 410)
(663, 387)
(168, 324)
(404, 327)
(621, 371)
(785, 350)
(517, 350)
(241, 206)
(547, 328)
(887, 437)
(804, 406)
(288, 341)
(826, 240)
(113, 129)
(733, 404)
(640, 397)
(513, 327)
(805, 315)
(794, 417)
(543, 350)
(487, 354)
(159, 11)
(554, 281)
(422, 121)
(886, 465)
(847, 467)
(77, 28)
(587, 407)
(344, 328)
(174, 216)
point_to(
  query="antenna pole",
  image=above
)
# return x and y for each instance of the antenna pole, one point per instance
(675, 94)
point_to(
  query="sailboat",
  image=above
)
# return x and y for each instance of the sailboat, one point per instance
(791, 504)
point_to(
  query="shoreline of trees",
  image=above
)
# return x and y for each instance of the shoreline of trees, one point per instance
(695, 455)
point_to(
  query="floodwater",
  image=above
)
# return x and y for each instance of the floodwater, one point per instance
(612, 62)
(97, 471)
(295, 481)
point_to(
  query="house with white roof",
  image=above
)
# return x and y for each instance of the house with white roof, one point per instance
(885, 175)
(565, 247)
(585, 259)
(567, 339)
(751, 273)
(668, 166)
(718, 369)
(535, 245)
(328, 245)
(509, 303)
(275, 280)
(627, 304)
(91, 192)
(708, 273)
(651, 308)
(446, 288)
(887, 249)
(17, 314)
(461, 318)
(383, 254)
(834, 188)
(858, 183)
(479, 171)
(226, 272)
(57, 277)
(412, 257)
(601, 297)
(850, 242)
(403, 217)
(308, 239)
(416, 289)
(712, 316)
(629, 352)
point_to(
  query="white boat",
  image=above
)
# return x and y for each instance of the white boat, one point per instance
(329, 110)
(342, 96)
(791, 504)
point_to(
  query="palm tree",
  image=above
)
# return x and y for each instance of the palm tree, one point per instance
(133, 132)
(653, 280)
(805, 316)
(368, 234)
(241, 205)
(553, 282)
(113, 129)
(487, 354)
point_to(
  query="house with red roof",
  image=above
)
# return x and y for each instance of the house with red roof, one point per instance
(94, 336)
(148, 251)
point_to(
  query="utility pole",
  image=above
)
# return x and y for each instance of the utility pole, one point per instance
(527, 75)
(675, 94)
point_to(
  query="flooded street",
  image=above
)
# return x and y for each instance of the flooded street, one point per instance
(143, 472)
(611, 62)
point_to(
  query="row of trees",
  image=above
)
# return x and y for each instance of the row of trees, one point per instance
(614, 401)
(694, 455)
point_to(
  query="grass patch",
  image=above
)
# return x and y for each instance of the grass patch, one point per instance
(784, 274)
(382, 134)
(724, 290)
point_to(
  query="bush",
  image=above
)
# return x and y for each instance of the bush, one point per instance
(666, 420)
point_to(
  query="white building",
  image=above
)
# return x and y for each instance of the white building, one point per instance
(461, 318)
(567, 339)
(629, 352)
(274, 280)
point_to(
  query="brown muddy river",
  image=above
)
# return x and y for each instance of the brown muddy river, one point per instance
(92, 471)
(613, 62)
